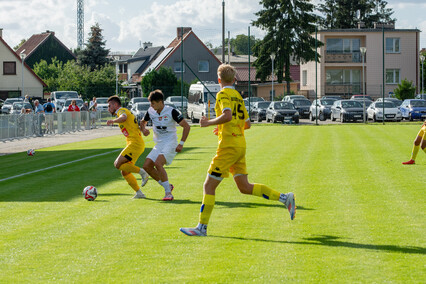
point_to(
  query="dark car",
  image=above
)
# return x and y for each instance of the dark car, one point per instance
(280, 111)
(413, 109)
(346, 110)
(322, 107)
(258, 111)
(302, 106)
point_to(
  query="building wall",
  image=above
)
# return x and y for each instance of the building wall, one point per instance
(193, 51)
(264, 90)
(11, 85)
(406, 60)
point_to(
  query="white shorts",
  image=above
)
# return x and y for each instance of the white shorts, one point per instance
(168, 150)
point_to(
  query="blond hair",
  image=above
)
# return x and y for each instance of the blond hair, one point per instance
(226, 73)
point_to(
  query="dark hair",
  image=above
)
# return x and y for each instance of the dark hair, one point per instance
(114, 99)
(156, 96)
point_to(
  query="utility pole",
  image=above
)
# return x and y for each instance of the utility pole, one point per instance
(223, 31)
(80, 23)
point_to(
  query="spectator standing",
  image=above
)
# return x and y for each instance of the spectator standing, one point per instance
(49, 109)
(38, 118)
(27, 98)
(93, 107)
(73, 108)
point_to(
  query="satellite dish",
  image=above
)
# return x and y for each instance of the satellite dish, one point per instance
(358, 14)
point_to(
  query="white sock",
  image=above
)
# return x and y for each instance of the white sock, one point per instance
(142, 172)
(166, 186)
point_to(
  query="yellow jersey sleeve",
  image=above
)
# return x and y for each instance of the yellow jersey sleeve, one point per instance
(129, 127)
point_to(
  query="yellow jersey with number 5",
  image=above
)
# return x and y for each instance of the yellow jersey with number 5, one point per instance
(231, 134)
(129, 127)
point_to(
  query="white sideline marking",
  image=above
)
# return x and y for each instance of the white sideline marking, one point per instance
(59, 165)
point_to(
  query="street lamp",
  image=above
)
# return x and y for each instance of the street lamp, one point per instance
(363, 51)
(116, 58)
(23, 55)
(272, 58)
(422, 59)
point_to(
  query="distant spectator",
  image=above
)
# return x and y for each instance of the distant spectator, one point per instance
(73, 108)
(93, 107)
(38, 118)
(27, 98)
(84, 107)
(49, 109)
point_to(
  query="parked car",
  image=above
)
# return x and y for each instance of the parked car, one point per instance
(258, 111)
(332, 97)
(360, 97)
(139, 110)
(395, 101)
(413, 109)
(102, 104)
(279, 111)
(137, 100)
(18, 106)
(322, 107)
(255, 99)
(346, 110)
(7, 105)
(375, 111)
(302, 106)
(177, 101)
(78, 102)
(58, 98)
(248, 105)
(420, 96)
(290, 97)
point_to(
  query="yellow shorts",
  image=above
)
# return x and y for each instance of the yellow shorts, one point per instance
(133, 151)
(422, 132)
(228, 160)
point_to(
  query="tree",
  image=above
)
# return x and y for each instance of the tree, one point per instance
(239, 44)
(163, 79)
(95, 54)
(342, 14)
(405, 90)
(289, 26)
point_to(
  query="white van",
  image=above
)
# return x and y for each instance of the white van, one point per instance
(199, 97)
(58, 98)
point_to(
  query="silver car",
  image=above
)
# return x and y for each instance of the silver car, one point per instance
(322, 107)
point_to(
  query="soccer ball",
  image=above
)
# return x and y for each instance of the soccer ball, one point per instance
(31, 152)
(90, 193)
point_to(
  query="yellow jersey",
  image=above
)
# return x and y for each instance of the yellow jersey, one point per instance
(231, 134)
(129, 127)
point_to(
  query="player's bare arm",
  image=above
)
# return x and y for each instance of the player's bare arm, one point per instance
(120, 119)
(143, 128)
(225, 117)
(185, 134)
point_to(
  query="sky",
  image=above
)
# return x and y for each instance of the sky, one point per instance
(126, 26)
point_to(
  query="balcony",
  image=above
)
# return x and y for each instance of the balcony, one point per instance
(344, 90)
(343, 57)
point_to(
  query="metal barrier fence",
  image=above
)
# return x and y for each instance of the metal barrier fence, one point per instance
(22, 125)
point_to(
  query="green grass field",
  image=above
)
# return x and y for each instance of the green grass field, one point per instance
(361, 214)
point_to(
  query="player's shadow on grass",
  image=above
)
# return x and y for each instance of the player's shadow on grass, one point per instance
(228, 204)
(333, 241)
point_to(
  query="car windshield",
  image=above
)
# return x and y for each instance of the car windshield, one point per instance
(140, 100)
(21, 105)
(263, 105)
(11, 101)
(351, 104)
(418, 103)
(283, 105)
(327, 102)
(66, 95)
(301, 103)
(387, 105)
(178, 99)
(256, 99)
(102, 100)
(143, 106)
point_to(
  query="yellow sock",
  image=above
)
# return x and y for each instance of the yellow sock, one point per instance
(131, 180)
(206, 208)
(129, 167)
(262, 190)
(415, 151)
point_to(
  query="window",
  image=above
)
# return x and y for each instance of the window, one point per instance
(203, 66)
(343, 45)
(343, 76)
(9, 68)
(177, 67)
(392, 45)
(304, 77)
(392, 76)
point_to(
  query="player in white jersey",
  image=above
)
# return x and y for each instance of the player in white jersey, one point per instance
(164, 119)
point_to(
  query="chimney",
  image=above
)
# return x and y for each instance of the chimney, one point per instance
(146, 45)
(185, 30)
(1, 32)
(50, 32)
